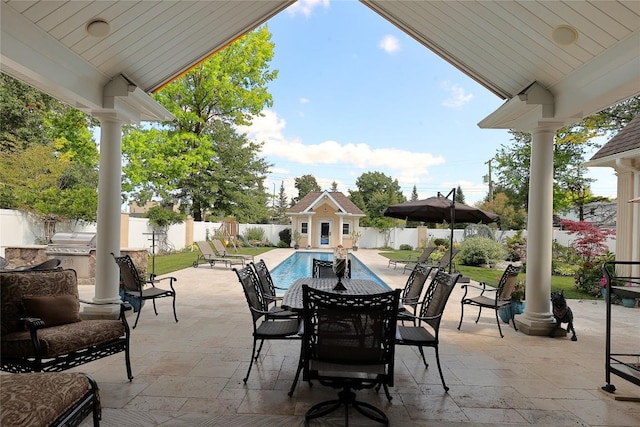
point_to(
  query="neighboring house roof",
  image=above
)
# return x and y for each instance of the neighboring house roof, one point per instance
(625, 144)
(307, 203)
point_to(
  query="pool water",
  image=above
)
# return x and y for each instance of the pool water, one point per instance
(298, 265)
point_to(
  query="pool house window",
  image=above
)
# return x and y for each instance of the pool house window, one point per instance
(346, 229)
(304, 227)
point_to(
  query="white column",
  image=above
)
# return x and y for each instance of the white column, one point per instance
(108, 225)
(537, 318)
(340, 225)
(310, 231)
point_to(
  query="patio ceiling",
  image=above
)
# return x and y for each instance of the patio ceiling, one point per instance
(506, 46)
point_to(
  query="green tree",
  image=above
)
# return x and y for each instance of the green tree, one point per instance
(376, 191)
(24, 111)
(510, 217)
(414, 197)
(459, 195)
(199, 159)
(281, 206)
(48, 159)
(334, 187)
(305, 185)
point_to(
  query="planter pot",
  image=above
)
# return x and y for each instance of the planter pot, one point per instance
(136, 304)
(505, 312)
(629, 302)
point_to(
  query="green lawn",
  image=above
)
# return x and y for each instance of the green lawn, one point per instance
(492, 276)
(165, 264)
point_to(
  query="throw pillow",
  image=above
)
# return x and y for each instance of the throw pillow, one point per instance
(54, 310)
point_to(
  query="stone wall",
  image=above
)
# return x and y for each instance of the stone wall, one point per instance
(85, 265)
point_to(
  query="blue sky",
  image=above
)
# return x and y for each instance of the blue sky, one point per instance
(355, 94)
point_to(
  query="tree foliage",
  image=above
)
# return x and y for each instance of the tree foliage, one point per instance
(571, 186)
(511, 218)
(305, 185)
(375, 192)
(48, 159)
(281, 206)
(199, 160)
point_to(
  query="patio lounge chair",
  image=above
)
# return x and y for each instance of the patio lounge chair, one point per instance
(442, 263)
(222, 252)
(424, 256)
(491, 297)
(207, 254)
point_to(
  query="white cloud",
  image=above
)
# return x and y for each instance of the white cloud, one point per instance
(457, 95)
(407, 166)
(304, 101)
(389, 44)
(306, 7)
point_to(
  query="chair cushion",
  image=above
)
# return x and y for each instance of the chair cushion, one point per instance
(17, 285)
(414, 334)
(59, 340)
(37, 399)
(54, 310)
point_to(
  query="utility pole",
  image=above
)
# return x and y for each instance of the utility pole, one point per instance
(487, 179)
(273, 204)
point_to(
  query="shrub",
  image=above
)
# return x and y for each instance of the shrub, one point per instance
(481, 250)
(285, 236)
(283, 244)
(405, 247)
(441, 242)
(254, 234)
(590, 246)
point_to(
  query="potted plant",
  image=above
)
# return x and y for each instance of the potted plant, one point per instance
(296, 239)
(355, 236)
(517, 304)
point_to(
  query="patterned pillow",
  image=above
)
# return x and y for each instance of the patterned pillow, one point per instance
(54, 310)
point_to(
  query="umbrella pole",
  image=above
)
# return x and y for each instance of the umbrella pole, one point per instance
(452, 193)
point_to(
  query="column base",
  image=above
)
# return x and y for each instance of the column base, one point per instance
(537, 327)
(102, 311)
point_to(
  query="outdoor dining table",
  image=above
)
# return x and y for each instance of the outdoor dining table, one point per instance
(292, 298)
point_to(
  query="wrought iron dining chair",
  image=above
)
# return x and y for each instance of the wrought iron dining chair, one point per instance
(426, 330)
(348, 343)
(268, 290)
(321, 268)
(412, 291)
(139, 289)
(493, 298)
(263, 328)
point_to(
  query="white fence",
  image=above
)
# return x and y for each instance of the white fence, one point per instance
(20, 229)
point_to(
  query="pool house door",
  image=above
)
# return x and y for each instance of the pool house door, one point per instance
(325, 234)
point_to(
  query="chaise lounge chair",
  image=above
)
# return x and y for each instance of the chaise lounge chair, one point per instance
(424, 256)
(221, 251)
(207, 254)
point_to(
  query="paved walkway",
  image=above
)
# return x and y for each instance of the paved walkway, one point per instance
(190, 373)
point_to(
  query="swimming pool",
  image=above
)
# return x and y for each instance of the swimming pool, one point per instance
(299, 265)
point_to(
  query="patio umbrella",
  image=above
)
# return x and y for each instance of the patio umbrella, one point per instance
(440, 208)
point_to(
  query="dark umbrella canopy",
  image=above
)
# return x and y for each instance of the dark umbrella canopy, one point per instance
(438, 209)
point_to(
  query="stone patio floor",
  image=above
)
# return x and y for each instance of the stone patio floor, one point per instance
(190, 373)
